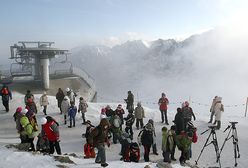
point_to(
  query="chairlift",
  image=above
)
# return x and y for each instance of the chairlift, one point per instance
(63, 67)
(20, 70)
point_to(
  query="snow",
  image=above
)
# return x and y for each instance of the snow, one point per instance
(72, 142)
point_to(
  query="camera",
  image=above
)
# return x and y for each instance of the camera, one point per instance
(233, 122)
(212, 126)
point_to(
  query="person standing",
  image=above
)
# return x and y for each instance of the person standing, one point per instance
(60, 96)
(65, 105)
(28, 95)
(82, 107)
(139, 114)
(44, 102)
(129, 123)
(212, 109)
(6, 96)
(120, 112)
(97, 138)
(72, 111)
(163, 103)
(129, 100)
(187, 114)
(71, 95)
(179, 121)
(218, 108)
(50, 130)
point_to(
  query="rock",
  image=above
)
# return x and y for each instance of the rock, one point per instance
(63, 159)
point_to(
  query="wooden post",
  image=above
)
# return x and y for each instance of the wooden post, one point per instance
(246, 104)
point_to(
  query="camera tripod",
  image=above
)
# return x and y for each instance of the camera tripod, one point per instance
(214, 142)
(234, 137)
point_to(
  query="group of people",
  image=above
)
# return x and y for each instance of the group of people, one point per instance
(181, 134)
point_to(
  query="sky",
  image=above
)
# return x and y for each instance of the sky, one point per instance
(76, 22)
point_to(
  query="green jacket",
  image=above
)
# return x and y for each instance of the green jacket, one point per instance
(183, 142)
(27, 127)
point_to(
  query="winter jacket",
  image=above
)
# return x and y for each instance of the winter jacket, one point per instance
(213, 104)
(50, 130)
(88, 131)
(163, 102)
(99, 134)
(27, 127)
(188, 113)
(71, 95)
(65, 105)
(129, 120)
(218, 109)
(32, 107)
(115, 124)
(120, 113)
(28, 96)
(179, 122)
(139, 112)
(72, 111)
(44, 100)
(6, 94)
(17, 117)
(130, 101)
(82, 106)
(146, 135)
(167, 141)
(183, 142)
(60, 96)
(109, 112)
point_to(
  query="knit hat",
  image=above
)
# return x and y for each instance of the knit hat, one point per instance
(119, 106)
(19, 109)
(150, 121)
(43, 121)
(67, 89)
(164, 129)
(103, 111)
(186, 103)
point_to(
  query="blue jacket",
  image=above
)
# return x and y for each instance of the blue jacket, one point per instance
(72, 111)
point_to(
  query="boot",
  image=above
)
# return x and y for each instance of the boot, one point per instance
(214, 122)
(65, 119)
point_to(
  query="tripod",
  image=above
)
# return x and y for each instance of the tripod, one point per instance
(214, 142)
(234, 137)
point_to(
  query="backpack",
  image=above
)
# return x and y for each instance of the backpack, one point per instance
(134, 155)
(116, 123)
(147, 136)
(195, 137)
(5, 91)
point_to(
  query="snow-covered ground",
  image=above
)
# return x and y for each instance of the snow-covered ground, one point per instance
(72, 142)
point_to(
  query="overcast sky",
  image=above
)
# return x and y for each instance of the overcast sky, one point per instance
(71, 23)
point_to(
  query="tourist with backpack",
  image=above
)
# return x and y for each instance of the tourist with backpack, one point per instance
(50, 130)
(6, 96)
(145, 137)
(120, 112)
(31, 106)
(28, 134)
(163, 103)
(44, 102)
(154, 145)
(139, 114)
(125, 142)
(187, 114)
(129, 123)
(89, 151)
(71, 95)
(60, 96)
(72, 111)
(97, 138)
(115, 127)
(82, 107)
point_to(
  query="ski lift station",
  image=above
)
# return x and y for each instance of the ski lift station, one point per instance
(39, 66)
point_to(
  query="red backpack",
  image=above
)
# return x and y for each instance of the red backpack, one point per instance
(195, 137)
(5, 91)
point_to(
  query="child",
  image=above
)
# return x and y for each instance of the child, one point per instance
(183, 143)
(167, 144)
(83, 108)
(72, 111)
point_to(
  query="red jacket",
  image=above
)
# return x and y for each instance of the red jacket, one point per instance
(163, 102)
(50, 129)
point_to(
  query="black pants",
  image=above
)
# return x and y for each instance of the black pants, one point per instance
(44, 110)
(139, 122)
(129, 130)
(55, 145)
(164, 116)
(6, 105)
(31, 141)
(147, 152)
(83, 117)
